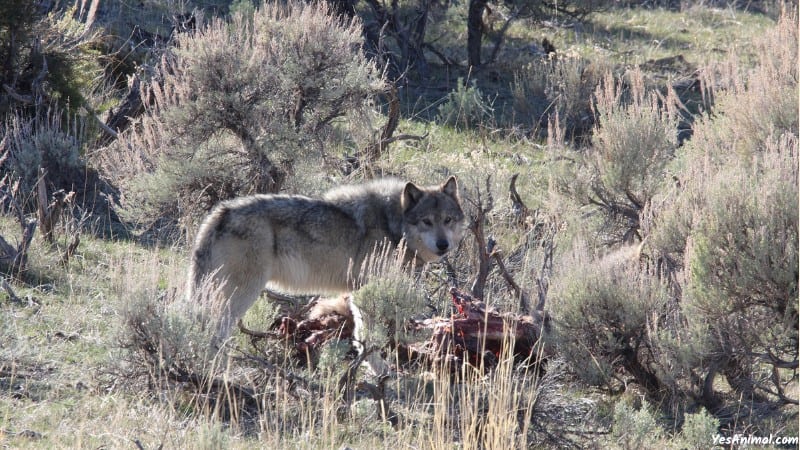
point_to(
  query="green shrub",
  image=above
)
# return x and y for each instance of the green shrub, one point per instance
(562, 87)
(387, 299)
(698, 430)
(726, 234)
(752, 112)
(43, 143)
(742, 267)
(752, 105)
(391, 299)
(605, 310)
(635, 137)
(634, 429)
(238, 104)
(633, 141)
(743, 248)
(165, 337)
(47, 56)
(465, 107)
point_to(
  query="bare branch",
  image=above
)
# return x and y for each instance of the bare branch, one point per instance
(522, 295)
(11, 294)
(378, 394)
(108, 130)
(500, 36)
(256, 334)
(783, 398)
(26, 99)
(476, 226)
(447, 61)
(521, 211)
(373, 151)
(542, 281)
(45, 219)
(9, 194)
(774, 360)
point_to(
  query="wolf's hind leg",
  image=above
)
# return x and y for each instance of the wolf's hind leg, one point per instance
(245, 272)
(241, 291)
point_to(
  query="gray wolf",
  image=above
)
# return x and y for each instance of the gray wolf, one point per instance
(316, 246)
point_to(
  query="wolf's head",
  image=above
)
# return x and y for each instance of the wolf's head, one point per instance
(433, 220)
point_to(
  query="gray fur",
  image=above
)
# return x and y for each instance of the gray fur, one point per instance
(308, 245)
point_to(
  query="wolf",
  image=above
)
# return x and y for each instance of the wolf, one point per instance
(317, 245)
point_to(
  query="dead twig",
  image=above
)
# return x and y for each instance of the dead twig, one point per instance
(15, 260)
(49, 213)
(543, 280)
(378, 394)
(10, 192)
(295, 381)
(71, 248)
(256, 334)
(522, 294)
(45, 219)
(120, 118)
(347, 380)
(11, 294)
(25, 99)
(476, 226)
(369, 154)
(442, 57)
(518, 207)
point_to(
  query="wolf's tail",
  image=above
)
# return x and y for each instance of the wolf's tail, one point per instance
(200, 266)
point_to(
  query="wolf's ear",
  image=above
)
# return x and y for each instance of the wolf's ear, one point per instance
(450, 187)
(411, 195)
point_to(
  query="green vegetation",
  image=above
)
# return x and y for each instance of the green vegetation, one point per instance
(657, 153)
(237, 105)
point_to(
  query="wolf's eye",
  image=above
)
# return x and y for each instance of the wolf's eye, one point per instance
(427, 222)
(447, 220)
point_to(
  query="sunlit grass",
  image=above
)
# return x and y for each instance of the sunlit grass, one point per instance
(635, 36)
